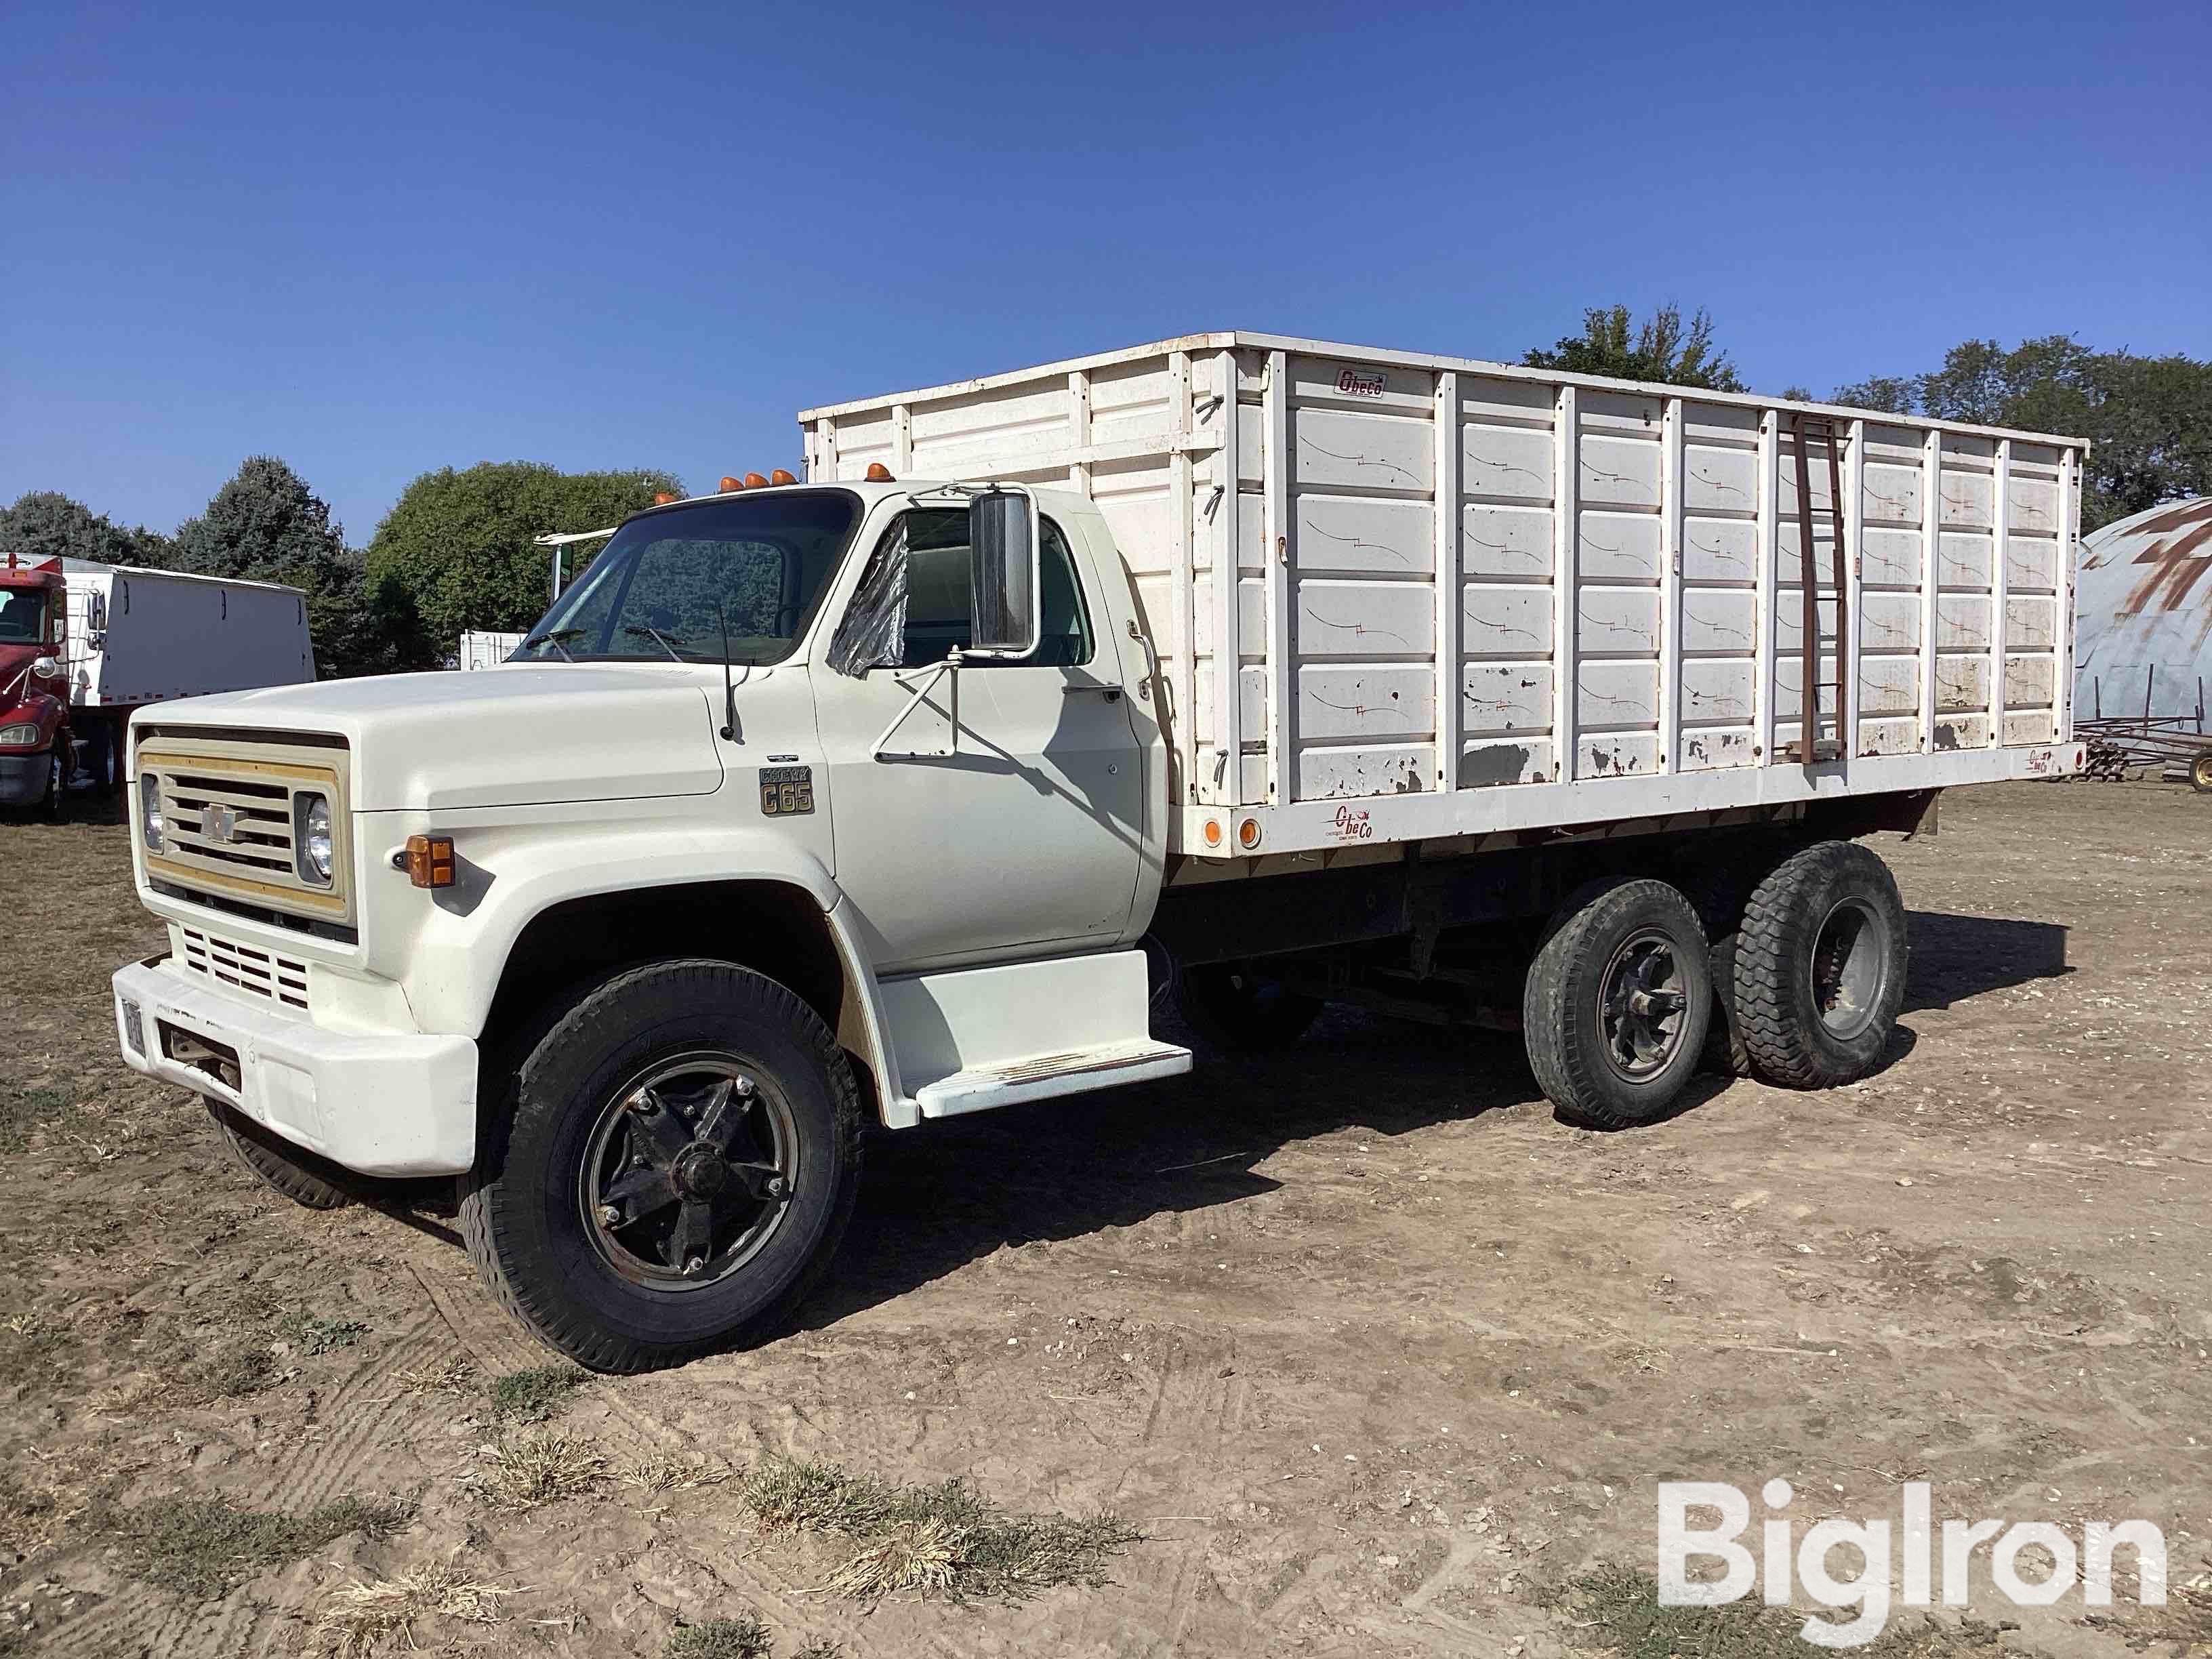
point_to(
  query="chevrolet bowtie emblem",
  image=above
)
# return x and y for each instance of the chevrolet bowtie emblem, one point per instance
(218, 822)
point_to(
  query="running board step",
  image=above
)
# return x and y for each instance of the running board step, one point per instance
(1073, 1073)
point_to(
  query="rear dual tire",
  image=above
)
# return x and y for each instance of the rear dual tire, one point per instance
(1818, 966)
(1616, 1005)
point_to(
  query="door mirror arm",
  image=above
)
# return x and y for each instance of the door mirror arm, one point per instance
(919, 684)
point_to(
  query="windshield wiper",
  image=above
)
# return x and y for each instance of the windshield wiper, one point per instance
(643, 631)
(553, 636)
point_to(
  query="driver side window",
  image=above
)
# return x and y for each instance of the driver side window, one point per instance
(937, 613)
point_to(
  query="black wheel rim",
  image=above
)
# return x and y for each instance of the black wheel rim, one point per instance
(689, 1171)
(1849, 963)
(1643, 1005)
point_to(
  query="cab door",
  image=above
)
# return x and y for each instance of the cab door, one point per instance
(983, 809)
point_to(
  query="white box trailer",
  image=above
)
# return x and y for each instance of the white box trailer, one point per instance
(1474, 598)
(483, 647)
(138, 637)
(141, 636)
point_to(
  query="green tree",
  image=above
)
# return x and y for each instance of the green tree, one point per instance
(458, 550)
(2148, 419)
(1663, 350)
(266, 526)
(45, 523)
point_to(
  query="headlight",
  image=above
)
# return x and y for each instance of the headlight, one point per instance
(149, 811)
(18, 736)
(311, 835)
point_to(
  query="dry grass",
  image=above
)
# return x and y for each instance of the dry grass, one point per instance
(533, 1395)
(720, 1639)
(454, 1377)
(522, 1471)
(1615, 1610)
(943, 1540)
(664, 1472)
(201, 1547)
(363, 1616)
(315, 1333)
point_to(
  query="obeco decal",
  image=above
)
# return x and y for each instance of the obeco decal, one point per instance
(2060, 1563)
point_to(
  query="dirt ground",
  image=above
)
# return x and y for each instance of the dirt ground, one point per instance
(1374, 1351)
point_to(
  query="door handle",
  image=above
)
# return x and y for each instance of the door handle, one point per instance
(1113, 693)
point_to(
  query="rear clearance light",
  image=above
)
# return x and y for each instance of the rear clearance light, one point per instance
(430, 860)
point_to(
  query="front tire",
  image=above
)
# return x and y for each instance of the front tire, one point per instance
(1616, 1005)
(2200, 775)
(296, 1173)
(1819, 966)
(673, 1171)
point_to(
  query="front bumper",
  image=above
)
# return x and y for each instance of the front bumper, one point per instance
(23, 777)
(382, 1103)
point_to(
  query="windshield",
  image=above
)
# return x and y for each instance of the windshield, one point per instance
(667, 583)
(22, 615)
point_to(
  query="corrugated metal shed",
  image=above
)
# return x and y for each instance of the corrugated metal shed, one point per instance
(2143, 614)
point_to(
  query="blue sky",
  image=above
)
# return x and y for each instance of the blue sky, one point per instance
(378, 240)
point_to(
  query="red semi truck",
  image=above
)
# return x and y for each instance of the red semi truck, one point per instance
(82, 645)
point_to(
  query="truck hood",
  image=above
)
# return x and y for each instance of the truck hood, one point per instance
(512, 737)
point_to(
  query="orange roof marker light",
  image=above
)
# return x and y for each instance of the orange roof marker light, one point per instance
(879, 473)
(662, 497)
(781, 476)
(730, 483)
(754, 481)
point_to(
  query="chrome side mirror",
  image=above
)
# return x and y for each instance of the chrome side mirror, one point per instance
(1003, 587)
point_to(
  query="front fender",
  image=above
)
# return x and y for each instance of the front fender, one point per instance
(460, 951)
(461, 947)
(42, 711)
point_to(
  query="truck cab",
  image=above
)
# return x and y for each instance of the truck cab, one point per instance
(34, 752)
(876, 764)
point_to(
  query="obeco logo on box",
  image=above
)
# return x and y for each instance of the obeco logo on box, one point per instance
(1918, 1558)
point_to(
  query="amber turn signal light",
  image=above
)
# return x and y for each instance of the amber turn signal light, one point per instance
(430, 860)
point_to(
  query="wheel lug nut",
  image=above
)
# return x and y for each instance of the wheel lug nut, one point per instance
(773, 1187)
(611, 1214)
(692, 1265)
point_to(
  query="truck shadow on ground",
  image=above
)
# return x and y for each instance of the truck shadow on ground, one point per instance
(1957, 958)
(933, 1201)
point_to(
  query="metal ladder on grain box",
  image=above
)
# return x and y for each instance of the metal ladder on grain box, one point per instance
(1810, 747)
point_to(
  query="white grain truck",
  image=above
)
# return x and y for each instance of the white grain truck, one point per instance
(1256, 670)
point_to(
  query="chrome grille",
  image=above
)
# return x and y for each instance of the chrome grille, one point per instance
(264, 973)
(232, 821)
(228, 807)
